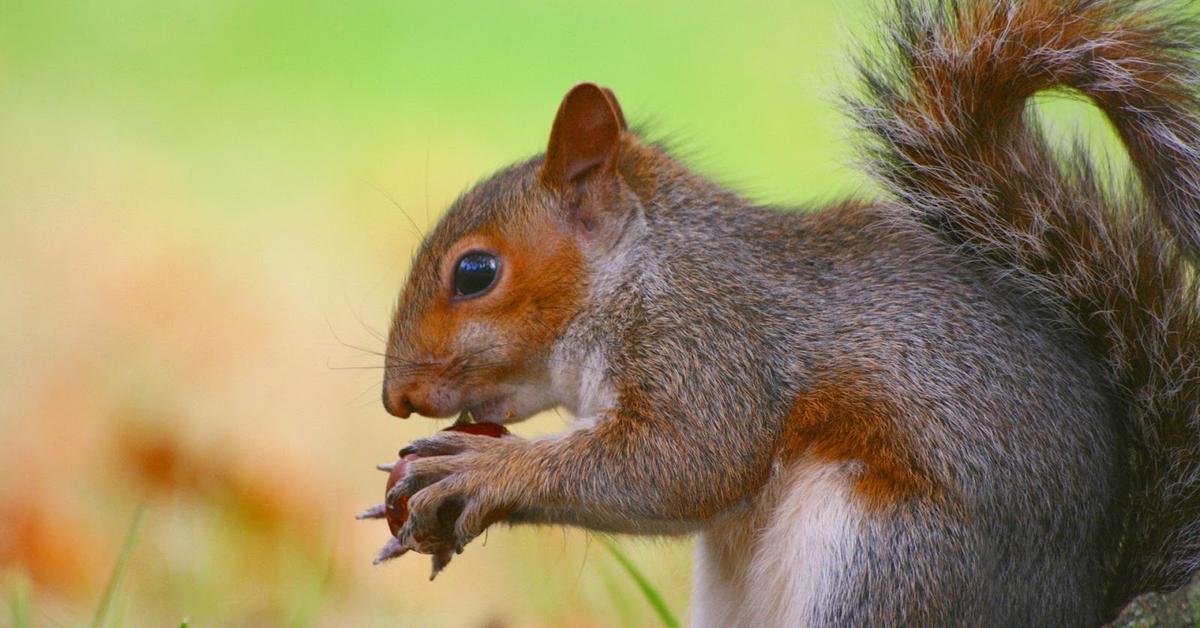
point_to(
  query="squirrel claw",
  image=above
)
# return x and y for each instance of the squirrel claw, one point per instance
(378, 511)
(391, 549)
(386, 467)
(440, 560)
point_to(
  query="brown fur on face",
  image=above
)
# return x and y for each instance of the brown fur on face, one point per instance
(449, 353)
(541, 285)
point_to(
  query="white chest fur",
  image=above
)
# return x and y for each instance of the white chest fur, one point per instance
(578, 378)
(776, 562)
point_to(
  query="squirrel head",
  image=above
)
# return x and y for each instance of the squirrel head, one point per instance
(494, 285)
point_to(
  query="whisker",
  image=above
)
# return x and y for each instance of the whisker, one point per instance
(358, 315)
(354, 368)
(388, 361)
(361, 400)
(379, 187)
(338, 338)
(394, 375)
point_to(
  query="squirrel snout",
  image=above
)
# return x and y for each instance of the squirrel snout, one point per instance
(396, 401)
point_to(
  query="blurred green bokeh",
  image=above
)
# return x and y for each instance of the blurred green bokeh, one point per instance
(201, 217)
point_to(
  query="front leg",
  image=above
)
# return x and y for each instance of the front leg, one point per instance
(626, 473)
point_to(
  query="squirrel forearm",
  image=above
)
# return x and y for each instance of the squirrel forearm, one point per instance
(627, 474)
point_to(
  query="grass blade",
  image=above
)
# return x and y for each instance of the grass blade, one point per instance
(652, 595)
(19, 602)
(114, 581)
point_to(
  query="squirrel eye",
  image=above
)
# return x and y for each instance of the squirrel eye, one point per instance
(475, 273)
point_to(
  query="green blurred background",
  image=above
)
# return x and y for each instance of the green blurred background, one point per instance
(201, 234)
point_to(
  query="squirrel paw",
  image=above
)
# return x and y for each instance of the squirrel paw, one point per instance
(455, 491)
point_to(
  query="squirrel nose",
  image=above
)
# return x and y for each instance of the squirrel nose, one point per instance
(396, 401)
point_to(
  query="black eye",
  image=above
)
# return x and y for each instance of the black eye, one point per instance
(475, 273)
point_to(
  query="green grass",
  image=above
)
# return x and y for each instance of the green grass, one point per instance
(19, 601)
(312, 592)
(652, 594)
(101, 618)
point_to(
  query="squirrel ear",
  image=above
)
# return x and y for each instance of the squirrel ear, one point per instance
(586, 136)
(612, 101)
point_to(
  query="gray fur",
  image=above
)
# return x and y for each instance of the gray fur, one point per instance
(1035, 334)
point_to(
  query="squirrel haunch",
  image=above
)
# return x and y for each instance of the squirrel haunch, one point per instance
(841, 421)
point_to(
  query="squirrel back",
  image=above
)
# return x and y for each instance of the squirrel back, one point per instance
(949, 135)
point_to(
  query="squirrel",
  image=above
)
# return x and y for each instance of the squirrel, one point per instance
(973, 400)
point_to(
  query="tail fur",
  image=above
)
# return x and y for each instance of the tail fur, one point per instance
(950, 135)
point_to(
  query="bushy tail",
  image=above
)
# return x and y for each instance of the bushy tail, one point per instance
(949, 134)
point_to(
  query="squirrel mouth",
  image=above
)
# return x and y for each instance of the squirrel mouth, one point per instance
(491, 411)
